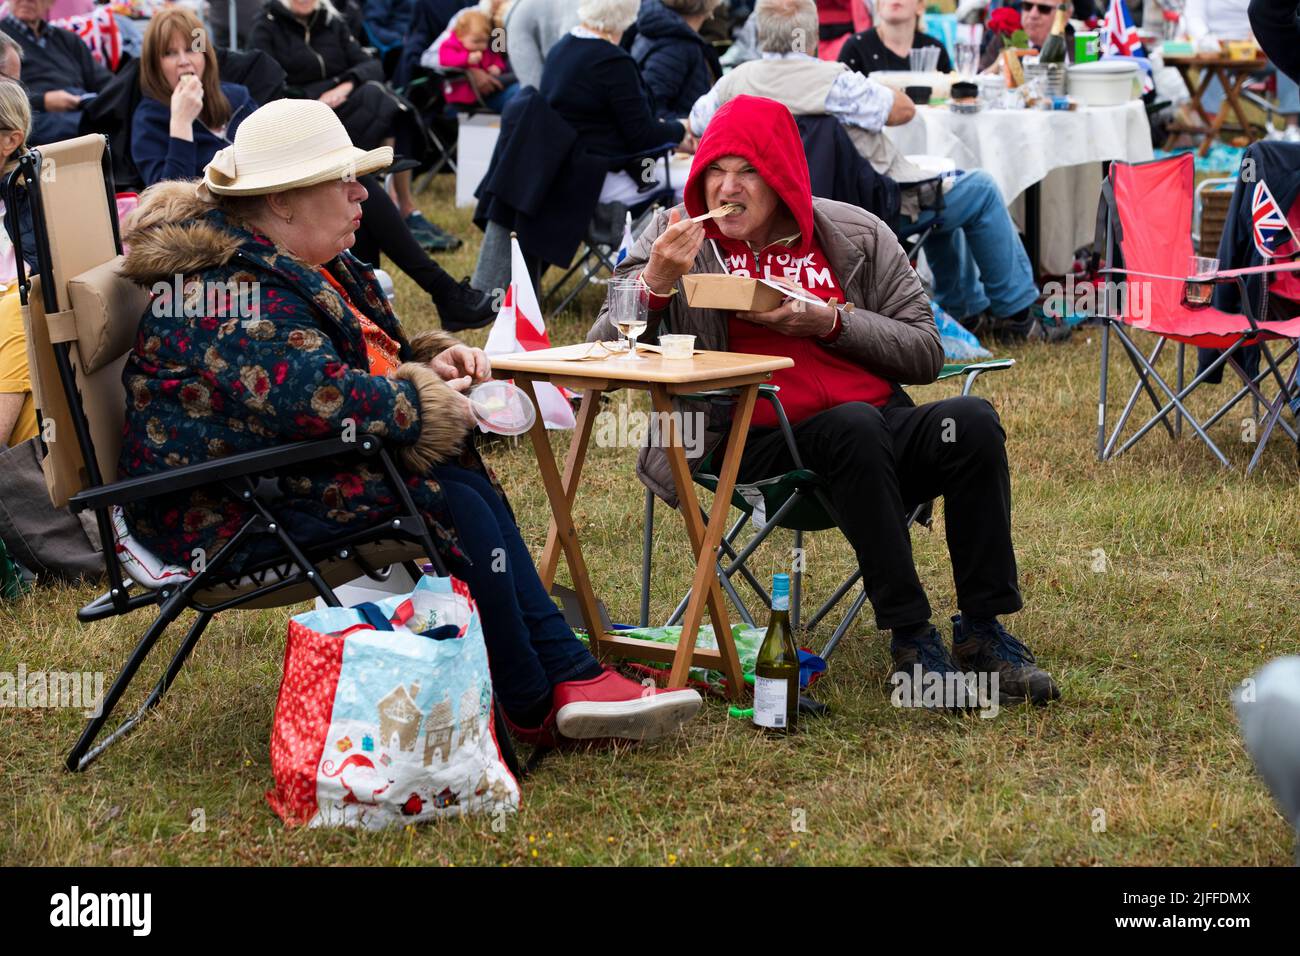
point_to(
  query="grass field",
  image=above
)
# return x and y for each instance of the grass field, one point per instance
(1139, 763)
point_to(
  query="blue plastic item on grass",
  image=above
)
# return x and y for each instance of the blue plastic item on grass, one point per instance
(959, 342)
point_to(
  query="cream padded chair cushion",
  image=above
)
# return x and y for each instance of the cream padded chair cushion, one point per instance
(108, 309)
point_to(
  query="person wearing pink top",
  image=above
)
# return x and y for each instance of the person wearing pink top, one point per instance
(470, 45)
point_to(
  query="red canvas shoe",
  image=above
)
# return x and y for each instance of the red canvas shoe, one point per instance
(611, 706)
(543, 736)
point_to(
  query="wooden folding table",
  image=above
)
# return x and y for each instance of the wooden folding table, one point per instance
(1232, 74)
(594, 371)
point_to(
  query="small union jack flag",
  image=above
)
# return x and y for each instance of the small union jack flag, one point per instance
(1271, 230)
(1121, 31)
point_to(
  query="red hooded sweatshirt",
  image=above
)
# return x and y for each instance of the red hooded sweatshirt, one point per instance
(763, 132)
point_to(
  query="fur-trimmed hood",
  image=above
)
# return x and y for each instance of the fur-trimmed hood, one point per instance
(176, 232)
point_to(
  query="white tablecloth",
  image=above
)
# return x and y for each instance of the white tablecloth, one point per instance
(1061, 149)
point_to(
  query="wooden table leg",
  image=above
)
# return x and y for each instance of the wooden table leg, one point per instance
(705, 540)
(1196, 90)
(1232, 92)
(1217, 123)
(562, 519)
(572, 473)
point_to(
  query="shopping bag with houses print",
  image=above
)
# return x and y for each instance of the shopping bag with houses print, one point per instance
(385, 714)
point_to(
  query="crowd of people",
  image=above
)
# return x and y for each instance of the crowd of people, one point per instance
(292, 186)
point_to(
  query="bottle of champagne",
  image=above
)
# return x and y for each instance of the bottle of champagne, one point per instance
(776, 670)
(1054, 46)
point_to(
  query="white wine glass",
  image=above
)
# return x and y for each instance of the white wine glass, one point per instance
(629, 307)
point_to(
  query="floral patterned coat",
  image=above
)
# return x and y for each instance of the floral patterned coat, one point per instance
(258, 350)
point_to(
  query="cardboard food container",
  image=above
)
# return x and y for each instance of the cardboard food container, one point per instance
(718, 291)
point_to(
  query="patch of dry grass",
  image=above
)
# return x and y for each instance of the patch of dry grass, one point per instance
(1199, 589)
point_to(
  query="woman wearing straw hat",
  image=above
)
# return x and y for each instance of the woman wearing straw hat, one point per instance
(287, 336)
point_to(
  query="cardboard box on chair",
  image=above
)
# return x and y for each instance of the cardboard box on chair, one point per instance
(720, 291)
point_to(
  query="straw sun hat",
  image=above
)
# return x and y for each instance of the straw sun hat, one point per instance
(287, 144)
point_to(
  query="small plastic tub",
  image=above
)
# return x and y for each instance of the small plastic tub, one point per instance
(677, 346)
(502, 407)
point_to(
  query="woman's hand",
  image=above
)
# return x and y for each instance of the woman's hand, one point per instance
(462, 361)
(690, 142)
(673, 253)
(334, 98)
(187, 104)
(462, 402)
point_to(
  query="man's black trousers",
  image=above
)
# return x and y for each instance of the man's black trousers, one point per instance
(879, 464)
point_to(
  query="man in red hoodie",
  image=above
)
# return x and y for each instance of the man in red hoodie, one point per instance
(879, 454)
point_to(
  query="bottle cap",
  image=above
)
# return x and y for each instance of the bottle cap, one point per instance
(781, 585)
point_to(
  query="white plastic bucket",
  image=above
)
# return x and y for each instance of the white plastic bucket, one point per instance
(1104, 83)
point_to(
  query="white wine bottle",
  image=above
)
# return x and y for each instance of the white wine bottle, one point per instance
(1054, 46)
(776, 670)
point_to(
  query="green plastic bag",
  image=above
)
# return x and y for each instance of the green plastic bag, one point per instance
(12, 585)
(747, 641)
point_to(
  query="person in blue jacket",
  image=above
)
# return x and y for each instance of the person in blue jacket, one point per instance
(186, 113)
(388, 21)
(677, 64)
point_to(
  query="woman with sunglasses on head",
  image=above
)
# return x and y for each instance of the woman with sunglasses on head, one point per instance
(187, 114)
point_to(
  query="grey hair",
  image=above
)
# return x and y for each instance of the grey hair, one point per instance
(9, 45)
(331, 11)
(786, 26)
(691, 8)
(608, 16)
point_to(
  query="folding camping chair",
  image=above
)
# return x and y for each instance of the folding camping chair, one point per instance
(81, 318)
(605, 232)
(600, 247)
(796, 501)
(425, 92)
(1147, 216)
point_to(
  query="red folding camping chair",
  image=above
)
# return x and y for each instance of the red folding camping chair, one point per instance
(1147, 209)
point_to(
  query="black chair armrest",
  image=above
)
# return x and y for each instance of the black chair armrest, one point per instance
(654, 151)
(220, 469)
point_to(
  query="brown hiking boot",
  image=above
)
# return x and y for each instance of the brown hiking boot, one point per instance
(995, 651)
